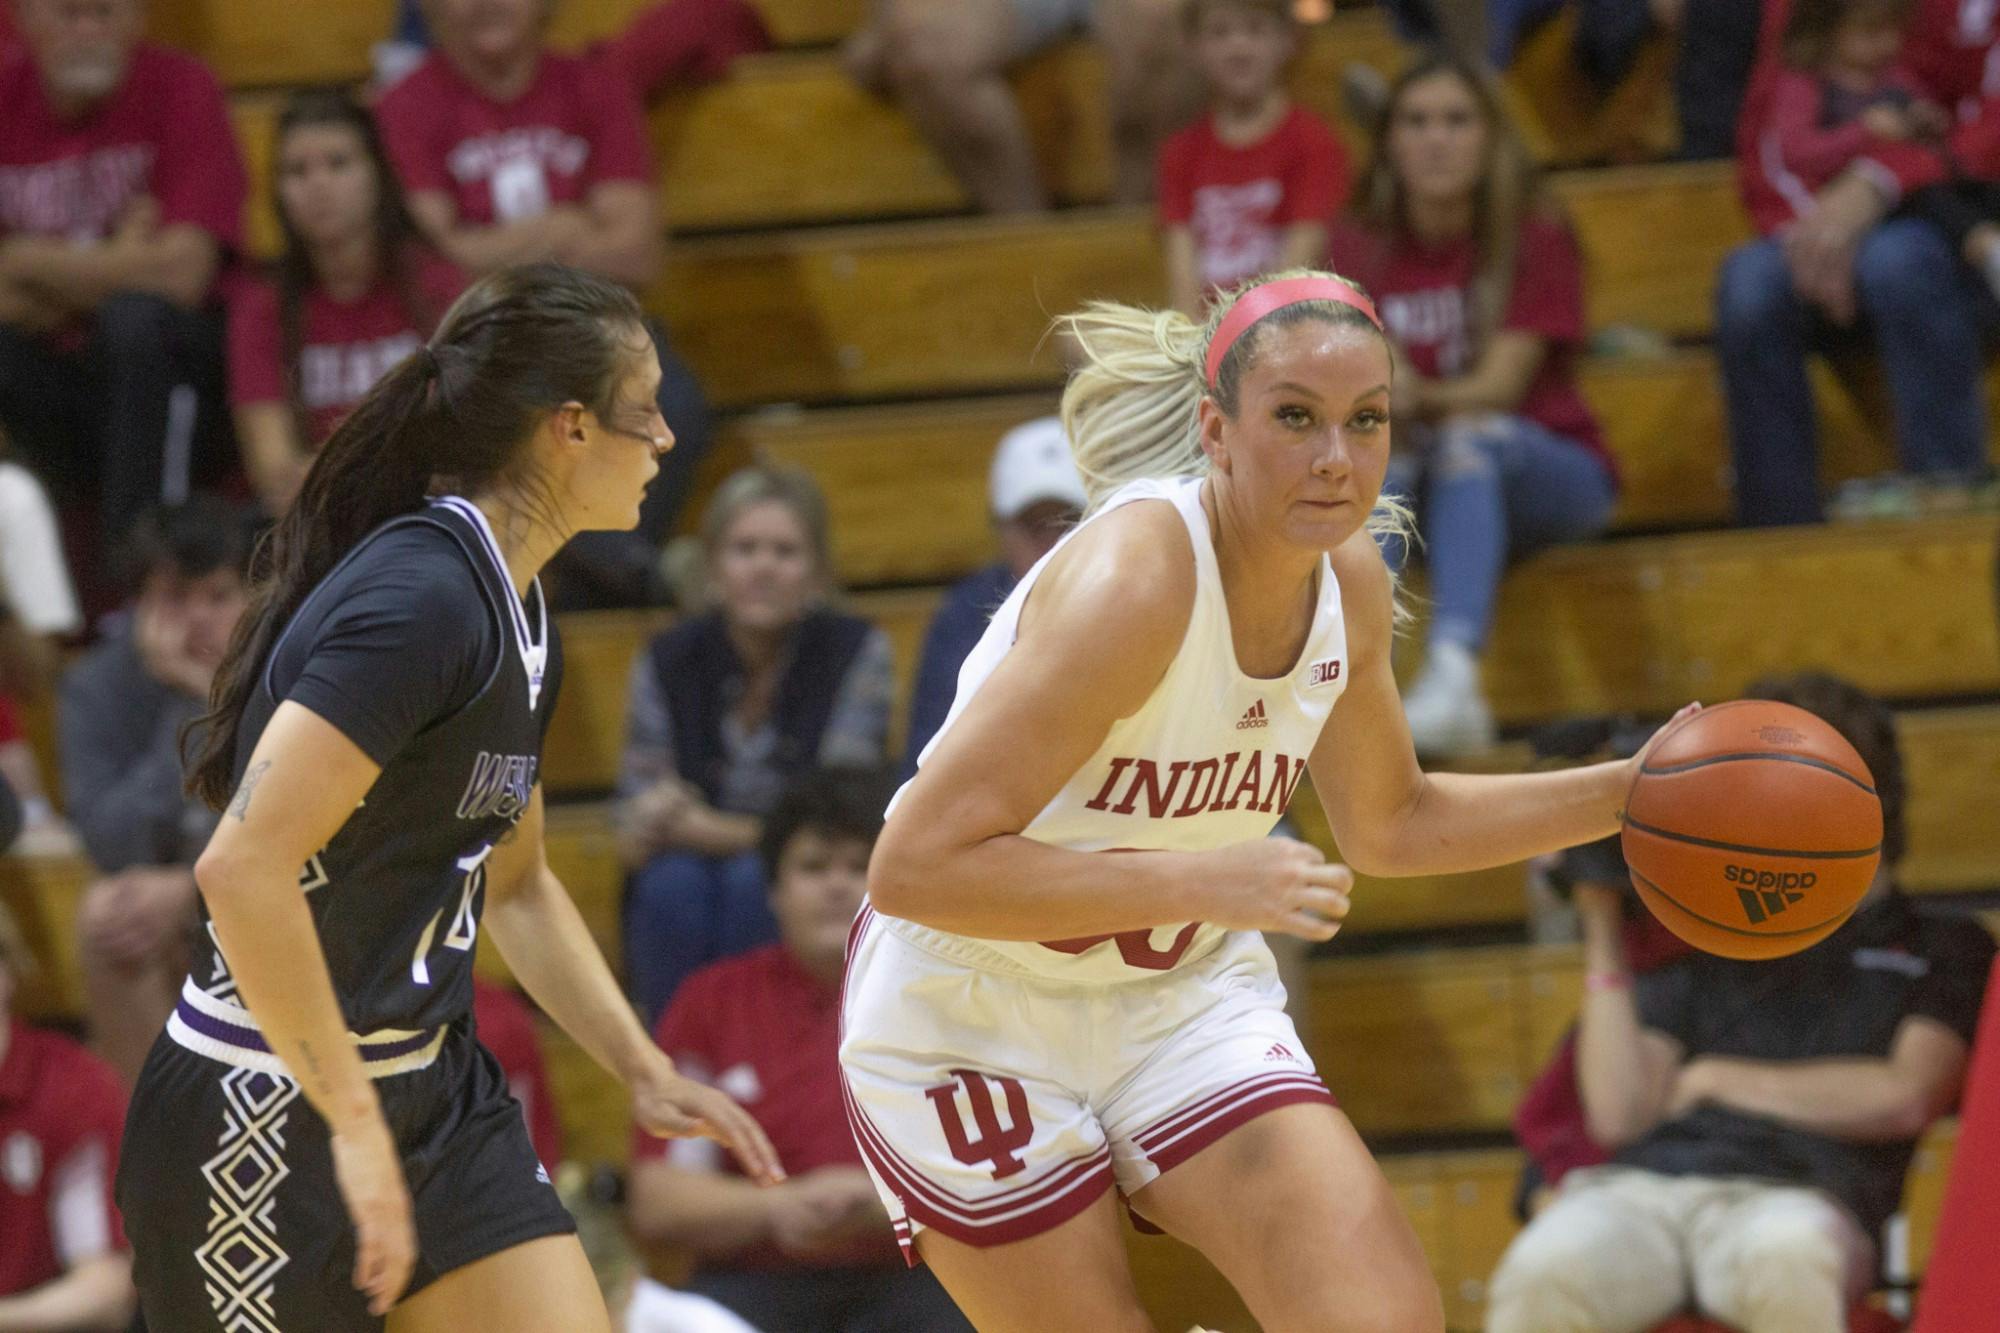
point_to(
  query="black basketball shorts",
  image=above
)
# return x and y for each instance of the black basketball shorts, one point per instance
(227, 1188)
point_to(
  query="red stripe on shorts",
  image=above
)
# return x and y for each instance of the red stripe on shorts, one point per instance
(1181, 1137)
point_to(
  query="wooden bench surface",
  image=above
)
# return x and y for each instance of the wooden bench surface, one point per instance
(964, 306)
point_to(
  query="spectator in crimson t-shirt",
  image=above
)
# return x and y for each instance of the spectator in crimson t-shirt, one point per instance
(510, 153)
(356, 291)
(668, 45)
(63, 1260)
(1253, 185)
(121, 192)
(815, 1254)
(1835, 272)
(1480, 287)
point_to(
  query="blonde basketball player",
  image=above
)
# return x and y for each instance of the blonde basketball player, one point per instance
(1059, 993)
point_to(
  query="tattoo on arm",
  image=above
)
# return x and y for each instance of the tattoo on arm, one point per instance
(313, 1073)
(239, 807)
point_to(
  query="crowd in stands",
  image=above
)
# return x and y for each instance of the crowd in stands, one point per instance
(163, 393)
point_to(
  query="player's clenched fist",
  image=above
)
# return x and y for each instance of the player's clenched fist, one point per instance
(1278, 884)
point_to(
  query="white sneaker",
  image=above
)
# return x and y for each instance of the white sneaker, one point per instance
(1445, 707)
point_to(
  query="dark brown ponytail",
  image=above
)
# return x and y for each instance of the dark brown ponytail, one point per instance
(454, 416)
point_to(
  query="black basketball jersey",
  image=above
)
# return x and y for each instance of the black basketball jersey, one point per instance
(417, 649)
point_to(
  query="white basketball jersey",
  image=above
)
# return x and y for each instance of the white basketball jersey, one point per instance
(1211, 759)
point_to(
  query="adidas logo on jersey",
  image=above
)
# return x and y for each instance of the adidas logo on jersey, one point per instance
(1254, 717)
(1279, 1051)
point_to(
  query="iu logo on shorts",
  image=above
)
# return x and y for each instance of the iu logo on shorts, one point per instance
(996, 1144)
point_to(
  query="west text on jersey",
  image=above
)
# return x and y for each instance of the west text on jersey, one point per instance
(500, 785)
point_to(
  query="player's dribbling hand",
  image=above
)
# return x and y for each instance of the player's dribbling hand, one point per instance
(1638, 760)
(370, 1174)
(1279, 884)
(669, 1105)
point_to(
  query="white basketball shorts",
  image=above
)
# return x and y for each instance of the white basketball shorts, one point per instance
(994, 1106)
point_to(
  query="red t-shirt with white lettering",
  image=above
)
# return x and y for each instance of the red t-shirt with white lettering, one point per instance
(573, 129)
(344, 346)
(61, 1115)
(767, 1032)
(1423, 294)
(1237, 201)
(165, 133)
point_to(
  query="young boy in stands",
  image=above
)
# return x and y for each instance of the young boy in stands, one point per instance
(1253, 185)
(815, 1254)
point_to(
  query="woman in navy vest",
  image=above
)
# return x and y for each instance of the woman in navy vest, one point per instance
(726, 708)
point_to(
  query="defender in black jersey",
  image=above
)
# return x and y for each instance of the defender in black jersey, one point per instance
(296, 1150)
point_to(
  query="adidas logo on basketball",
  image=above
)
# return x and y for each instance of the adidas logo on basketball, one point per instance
(1254, 717)
(1766, 893)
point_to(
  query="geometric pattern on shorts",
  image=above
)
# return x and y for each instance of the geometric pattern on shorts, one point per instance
(241, 1255)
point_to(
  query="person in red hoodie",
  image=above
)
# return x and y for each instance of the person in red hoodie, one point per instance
(1834, 269)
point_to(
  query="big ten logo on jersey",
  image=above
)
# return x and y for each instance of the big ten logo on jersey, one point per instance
(1201, 786)
(464, 930)
(997, 1142)
(499, 785)
(1325, 672)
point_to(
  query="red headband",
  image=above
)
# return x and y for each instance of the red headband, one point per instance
(1267, 297)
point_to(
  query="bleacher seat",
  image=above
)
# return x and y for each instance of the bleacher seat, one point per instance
(962, 306)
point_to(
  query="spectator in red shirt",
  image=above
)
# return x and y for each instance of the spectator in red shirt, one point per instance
(507, 1028)
(1480, 286)
(947, 64)
(356, 290)
(510, 152)
(63, 1261)
(814, 1254)
(121, 192)
(1253, 185)
(1830, 274)
(668, 45)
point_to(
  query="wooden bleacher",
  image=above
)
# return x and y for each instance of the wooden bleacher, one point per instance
(962, 305)
(906, 483)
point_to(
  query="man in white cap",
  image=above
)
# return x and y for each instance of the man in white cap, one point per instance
(1036, 495)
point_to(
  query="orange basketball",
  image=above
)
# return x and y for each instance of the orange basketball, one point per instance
(1753, 829)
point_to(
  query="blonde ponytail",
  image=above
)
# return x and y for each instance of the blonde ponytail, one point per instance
(1132, 405)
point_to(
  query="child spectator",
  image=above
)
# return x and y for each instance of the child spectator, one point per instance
(1254, 184)
(815, 1254)
(1833, 273)
(726, 708)
(356, 290)
(511, 152)
(63, 1262)
(1480, 287)
(121, 194)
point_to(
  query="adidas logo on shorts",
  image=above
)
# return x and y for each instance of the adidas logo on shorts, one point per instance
(1254, 717)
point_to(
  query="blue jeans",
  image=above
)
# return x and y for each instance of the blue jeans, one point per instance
(1490, 491)
(1923, 312)
(683, 912)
